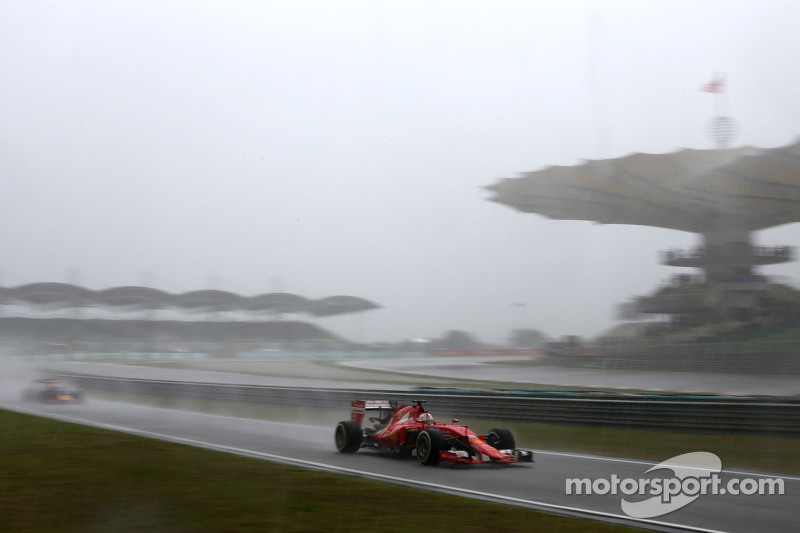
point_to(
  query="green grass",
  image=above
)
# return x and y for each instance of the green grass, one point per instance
(62, 477)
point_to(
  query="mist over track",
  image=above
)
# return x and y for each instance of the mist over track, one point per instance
(709, 413)
(540, 485)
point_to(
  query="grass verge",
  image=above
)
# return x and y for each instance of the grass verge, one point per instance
(66, 477)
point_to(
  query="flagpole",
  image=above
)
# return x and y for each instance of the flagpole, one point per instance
(721, 97)
(722, 127)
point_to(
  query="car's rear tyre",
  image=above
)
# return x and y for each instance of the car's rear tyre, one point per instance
(501, 439)
(429, 442)
(348, 436)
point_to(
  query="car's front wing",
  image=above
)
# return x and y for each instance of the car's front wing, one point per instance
(506, 456)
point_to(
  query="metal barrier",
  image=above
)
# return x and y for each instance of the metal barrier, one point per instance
(691, 413)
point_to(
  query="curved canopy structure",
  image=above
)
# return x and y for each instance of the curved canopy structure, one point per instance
(134, 297)
(47, 293)
(65, 295)
(689, 190)
(210, 300)
(278, 302)
(339, 305)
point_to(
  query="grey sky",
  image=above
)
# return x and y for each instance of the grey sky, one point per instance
(331, 148)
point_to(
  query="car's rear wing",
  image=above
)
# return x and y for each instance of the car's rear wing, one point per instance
(381, 408)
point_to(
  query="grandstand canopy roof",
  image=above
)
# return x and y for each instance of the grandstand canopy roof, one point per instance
(132, 297)
(339, 305)
(686, 190)
(67, 295)
(278, 302)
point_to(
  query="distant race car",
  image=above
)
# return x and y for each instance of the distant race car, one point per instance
(411, 430)
(51, 391)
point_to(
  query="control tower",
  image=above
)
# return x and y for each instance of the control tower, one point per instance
(724, 195)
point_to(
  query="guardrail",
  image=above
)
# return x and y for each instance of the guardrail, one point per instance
(242, 356)
(112, 356)
(693, 413)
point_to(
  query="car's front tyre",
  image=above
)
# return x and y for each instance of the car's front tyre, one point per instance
(501, 439)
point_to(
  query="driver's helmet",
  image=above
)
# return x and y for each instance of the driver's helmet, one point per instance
(425, 418)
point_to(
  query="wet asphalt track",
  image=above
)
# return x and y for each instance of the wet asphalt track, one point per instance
(541, 485)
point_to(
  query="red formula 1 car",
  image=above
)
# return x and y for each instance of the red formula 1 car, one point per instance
(411, 430)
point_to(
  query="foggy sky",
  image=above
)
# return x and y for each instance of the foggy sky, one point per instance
(328, 148)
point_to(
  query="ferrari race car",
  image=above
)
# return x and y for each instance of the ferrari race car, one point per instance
(51, 391)
(411, 430)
